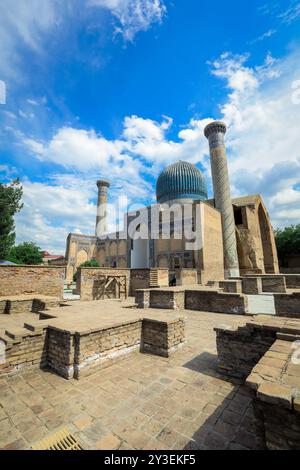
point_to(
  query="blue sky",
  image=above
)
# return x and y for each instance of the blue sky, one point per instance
(121, 88)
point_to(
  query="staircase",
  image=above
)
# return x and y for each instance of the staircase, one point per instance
(153, 278)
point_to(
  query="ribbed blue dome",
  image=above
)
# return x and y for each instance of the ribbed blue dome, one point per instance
(181, 180)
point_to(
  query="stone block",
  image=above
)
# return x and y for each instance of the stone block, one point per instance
(287, 305)
(273, 284)
(212, 301)
(252, 285)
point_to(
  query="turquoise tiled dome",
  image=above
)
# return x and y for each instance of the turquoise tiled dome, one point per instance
(181, 180)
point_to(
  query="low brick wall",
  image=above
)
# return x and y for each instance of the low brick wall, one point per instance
(276, 386)
(10, 307)
(273, 284)
(261, 352)
(160, 298)
(77, 354)
(287, 305)
(252, 285)
(90, 280)
(139, 279)
(142, 298)
(32, 280)
(101, 348)
(233, 287)
(279, 426)
(162, 339)
(145, 278)
(186, 277)
(166, 299)
(60, 352)
(162, 277)
(24, 352)
(292, 281)
(212, 301)
(16, 306)
(240, 349)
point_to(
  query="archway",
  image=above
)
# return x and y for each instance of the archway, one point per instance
(82, 257)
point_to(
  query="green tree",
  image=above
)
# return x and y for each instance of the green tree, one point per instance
(288, 241)
(93, 263)
(10, 203)
(26, 253)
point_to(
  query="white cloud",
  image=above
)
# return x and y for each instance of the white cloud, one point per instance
(263, 145)
(264, 36)
(23, 24)
(292, 13)
(263, 138)
(143, 147)
(27, 24)
(54, 211)
(133, 16)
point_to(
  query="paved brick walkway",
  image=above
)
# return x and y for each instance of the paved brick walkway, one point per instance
(142, 402)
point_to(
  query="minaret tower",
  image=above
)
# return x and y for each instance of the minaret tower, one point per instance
(101, 219)
(215, 132)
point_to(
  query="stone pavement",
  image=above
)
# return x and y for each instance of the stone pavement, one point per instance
(141, 402)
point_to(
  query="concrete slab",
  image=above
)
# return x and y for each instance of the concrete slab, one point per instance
(261, 304)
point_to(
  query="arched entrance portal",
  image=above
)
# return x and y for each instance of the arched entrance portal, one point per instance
(266, 239)
(82, 257)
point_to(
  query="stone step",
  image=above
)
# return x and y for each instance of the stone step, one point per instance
(17, 332)
(5, 337)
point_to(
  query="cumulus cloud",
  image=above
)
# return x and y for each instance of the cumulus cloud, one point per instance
(133, 16)
(263, 144)
(54, 210)
(263, 139)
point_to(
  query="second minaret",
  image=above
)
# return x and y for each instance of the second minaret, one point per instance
(101, 220)
(215, 132)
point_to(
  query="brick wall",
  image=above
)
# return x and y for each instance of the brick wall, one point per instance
(287, 305)
(139, 279)
(240, 349)
(211, 301)
(234, 287)
(87, 279)
(166, 299)
(24, 352)
(16, 306)
(273, 284)
(102, 347)
(292, 281)
(76, 354)
(61, 347)
(162, 338)
(186, 277)
(32, 280)
(252, 285)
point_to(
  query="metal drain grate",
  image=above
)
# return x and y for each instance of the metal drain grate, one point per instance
(61, 440)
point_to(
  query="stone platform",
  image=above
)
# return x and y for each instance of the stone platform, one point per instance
(73, 344)
(265, 352)
(143, 401)
(16, 304)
